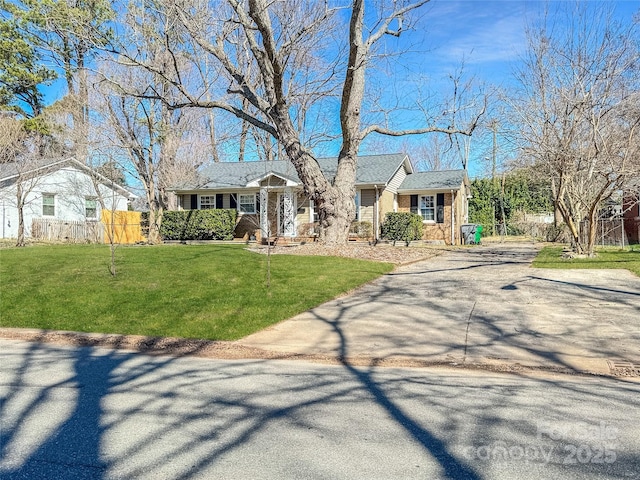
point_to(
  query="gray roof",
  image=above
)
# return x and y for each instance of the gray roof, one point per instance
(7, 170)
(11, 171)
(436, 180)
(372, 169)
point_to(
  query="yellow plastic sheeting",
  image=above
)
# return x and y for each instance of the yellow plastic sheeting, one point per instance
(124, 225)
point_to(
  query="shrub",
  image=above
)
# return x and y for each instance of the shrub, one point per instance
(361, 229)
(403, 226)
(308, 229)
(215, 224)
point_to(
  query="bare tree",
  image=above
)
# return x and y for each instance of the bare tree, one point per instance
(105, 194)
(578, 113)
(12, 138)
(11, 151)
(137, 125)
(20, 154)
(438, 152)
(162, 148)
(274, 91)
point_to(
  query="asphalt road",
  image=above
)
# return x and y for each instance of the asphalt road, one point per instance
(81, 413)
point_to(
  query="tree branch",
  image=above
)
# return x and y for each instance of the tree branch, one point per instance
(241, 114)
(397, 14)
(450, 130)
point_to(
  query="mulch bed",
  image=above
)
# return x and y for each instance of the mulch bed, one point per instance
(398, 255)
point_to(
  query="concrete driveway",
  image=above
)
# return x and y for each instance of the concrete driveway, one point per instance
(481, 305)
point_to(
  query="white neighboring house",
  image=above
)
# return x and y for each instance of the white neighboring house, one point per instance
(60, 189)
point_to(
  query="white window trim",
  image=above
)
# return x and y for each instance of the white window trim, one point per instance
(55, 204)
(424, 220)
(210, 205)
(312, 211)
(239, 203)
(358, 202)
(95, 200)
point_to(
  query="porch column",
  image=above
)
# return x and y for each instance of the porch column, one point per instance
(289, 213)
(264, 216)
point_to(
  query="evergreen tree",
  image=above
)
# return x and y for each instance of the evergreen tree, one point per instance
(22, 72)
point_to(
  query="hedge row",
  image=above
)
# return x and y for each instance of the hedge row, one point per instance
(402, 226)
(215, 224)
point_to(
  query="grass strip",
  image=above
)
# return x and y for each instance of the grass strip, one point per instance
(215, 292)
(629, 258)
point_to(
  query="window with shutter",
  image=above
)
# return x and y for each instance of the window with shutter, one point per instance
(427, 207)
(248, 203)
(207, 202)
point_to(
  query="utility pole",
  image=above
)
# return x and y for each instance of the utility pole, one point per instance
(494, 127)
(503, 228)
(494, 152)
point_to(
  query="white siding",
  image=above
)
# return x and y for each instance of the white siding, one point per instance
(397, 179)
(70, 187)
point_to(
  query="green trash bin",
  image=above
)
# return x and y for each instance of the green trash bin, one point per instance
(478, 238)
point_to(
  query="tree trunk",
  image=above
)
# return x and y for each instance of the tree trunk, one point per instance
(336, 212)
(155, 221)
(574, 228)
(20, 203)
(593, 231)
(341, 210)
(82, 127)
(211, 122)
(243, 133)
(155, 206)
(335, 203)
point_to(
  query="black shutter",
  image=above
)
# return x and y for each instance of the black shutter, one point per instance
(194, 202)
(257, 202)
(233, 203)
(219, 198)
(440, 208)
(414, 203)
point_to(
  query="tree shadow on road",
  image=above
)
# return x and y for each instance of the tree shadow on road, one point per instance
(115, 414)
(72, 442)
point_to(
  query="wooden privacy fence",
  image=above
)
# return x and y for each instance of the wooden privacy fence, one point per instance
(67, 230)
(124, 226)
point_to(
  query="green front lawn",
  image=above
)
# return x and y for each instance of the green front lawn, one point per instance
(195, 291)
(551, 257)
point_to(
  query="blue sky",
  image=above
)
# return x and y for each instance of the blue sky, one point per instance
(488, 35)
